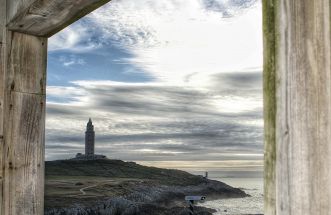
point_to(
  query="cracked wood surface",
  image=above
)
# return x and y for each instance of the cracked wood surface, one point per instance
(47, 17)
(269, 103)
(22, 96)
(23, 87)
(2, 72)
(303, 108)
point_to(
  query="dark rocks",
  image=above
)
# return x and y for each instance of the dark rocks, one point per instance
(113, 187)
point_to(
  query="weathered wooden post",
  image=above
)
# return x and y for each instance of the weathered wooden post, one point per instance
(2, 69)
(23, 79)
(24, 28)
(297, 102)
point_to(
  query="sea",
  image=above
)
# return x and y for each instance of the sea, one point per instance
(252, 185)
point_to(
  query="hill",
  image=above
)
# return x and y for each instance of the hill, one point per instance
(116, 187)
(119, 169)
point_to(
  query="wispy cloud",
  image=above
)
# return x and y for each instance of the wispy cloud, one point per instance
(157, 121)
(202, 99)
(77, 38)
(71, 60)
(228, 8)
(170, 40)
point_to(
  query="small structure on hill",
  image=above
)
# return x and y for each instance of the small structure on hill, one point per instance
(89, 145)
(89, 138)
(206, 175)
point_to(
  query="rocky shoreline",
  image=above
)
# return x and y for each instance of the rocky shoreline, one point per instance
(146, 199)
(134, 195)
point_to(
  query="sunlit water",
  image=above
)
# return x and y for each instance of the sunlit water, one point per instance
(239, 206)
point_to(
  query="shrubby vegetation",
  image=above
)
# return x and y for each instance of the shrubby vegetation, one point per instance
(111, 187)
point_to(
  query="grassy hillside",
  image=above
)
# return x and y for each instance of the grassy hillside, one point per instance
(113, 187)
(119, 169)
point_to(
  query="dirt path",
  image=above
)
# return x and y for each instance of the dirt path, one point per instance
(84, 188)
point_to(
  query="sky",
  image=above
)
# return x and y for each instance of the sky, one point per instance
(167, 83)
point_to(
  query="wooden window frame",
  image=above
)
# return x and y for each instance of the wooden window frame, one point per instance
(297, 102)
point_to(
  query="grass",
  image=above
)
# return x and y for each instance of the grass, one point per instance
(116, 169)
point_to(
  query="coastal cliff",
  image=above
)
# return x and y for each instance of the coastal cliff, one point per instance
(115, 187)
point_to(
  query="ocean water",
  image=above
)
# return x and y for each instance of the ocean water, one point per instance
(239, 206)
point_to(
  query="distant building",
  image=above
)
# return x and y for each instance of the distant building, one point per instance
(89, 145)
(89, 138)
(206, 175)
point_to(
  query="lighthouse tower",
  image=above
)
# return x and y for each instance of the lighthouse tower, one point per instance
(89, 139)
(89, 145)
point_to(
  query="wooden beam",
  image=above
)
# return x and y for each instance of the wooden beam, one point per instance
(24, 124)
(269, 103)
(2, 72)
(297, 63)
(22, 118)
(15, 7)
(47, 17)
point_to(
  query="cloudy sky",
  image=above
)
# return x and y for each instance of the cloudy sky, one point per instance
(169, 83)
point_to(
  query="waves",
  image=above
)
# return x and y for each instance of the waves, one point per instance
(240, 206)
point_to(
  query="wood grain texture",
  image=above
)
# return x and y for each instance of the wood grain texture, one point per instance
(47, 17)
(2, 19)
(24, 161)
(15, 7)
(269, 99)
(2, 72)
(27, 62)
(24, 120)
(303, 130)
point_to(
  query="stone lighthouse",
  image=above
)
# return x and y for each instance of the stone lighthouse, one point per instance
(89, 145)
(89, 139)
